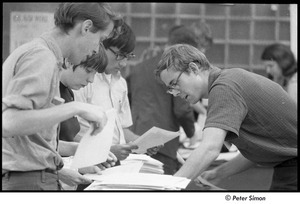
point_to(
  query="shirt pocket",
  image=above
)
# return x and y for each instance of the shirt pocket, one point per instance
(119, 99)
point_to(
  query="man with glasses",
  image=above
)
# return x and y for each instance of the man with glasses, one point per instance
(249, 110)
(31, 103)
(109, 90)
(152, 106)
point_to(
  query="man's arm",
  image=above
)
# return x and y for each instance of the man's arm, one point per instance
(67, 149)
(204, 155)
(129, 135)
(236, 165)
(26, 122)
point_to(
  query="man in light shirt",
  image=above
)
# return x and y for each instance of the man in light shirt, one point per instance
(109, 90)
(31, 104)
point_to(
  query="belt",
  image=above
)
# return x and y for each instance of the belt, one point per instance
(43, 170)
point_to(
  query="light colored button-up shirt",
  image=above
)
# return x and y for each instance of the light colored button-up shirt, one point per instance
(31, 77)
(107, 91)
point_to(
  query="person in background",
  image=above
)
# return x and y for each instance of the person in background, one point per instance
(31, 103)
(247, 109)
(152, 106)
(109, 90)
(281, 67)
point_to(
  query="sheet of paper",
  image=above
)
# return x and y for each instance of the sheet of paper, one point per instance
(153, 137)
(94, 149)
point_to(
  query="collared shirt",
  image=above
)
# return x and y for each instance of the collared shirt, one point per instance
(31, 77)
(260, 117)
(107, 91)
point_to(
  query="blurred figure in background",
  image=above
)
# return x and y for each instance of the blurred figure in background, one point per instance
(281, 67)
(152, 106)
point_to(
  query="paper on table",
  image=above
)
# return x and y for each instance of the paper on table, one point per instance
(94, 149)
(153, 137)
(150, 181)
(129, 168)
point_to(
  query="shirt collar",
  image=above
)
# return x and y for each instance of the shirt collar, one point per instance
(213, 75)
(53, 46)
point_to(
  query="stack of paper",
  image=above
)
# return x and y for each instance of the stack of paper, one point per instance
(150, 165)
(129, 168)
(138, 181)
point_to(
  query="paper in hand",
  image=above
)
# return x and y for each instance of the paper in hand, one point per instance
(94, 149)
(153, 137)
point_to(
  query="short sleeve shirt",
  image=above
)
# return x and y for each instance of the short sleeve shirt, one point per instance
(108, 91)
(31, 77)
(260, 117)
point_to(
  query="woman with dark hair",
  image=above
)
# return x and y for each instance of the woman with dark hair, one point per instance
(281, 67)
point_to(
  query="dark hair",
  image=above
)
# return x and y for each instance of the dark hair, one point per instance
(178, 57)
(180, 34)
(283, 55)
(198, 35)
(124, 41)
(68, 14)
(97, 61)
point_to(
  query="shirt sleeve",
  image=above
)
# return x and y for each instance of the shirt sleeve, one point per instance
(83, 95)
(31, 84)
(226, 109)
(292, 88)
(185, 115)
(125, 113)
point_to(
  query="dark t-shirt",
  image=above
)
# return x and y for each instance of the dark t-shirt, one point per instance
(260, 117)
(68, 128)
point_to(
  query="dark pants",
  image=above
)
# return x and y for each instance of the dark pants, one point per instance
(171, 165)
(285, 176)
(30, 181)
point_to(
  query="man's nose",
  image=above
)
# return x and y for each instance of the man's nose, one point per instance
(91, 79)
(123, 63)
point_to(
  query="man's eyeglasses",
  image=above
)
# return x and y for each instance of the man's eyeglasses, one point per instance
(173, 84)
(120, 56)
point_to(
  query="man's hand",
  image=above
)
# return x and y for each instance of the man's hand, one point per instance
(153, 150)
(94, 114)
(123, 151)
(72, 177)
(90, 170)
(211, 176)
(110, 162)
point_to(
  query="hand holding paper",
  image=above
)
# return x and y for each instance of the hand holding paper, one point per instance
(153, 137)
(93, 150)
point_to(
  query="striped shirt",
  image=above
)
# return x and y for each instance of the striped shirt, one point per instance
(260, 117)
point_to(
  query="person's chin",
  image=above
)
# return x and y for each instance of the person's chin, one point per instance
(77, 87)
(193, 100)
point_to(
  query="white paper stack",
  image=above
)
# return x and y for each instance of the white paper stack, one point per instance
(150, 165)
(138, 181)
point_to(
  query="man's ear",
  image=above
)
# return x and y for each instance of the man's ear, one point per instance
(86, 26)
(194, 67)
